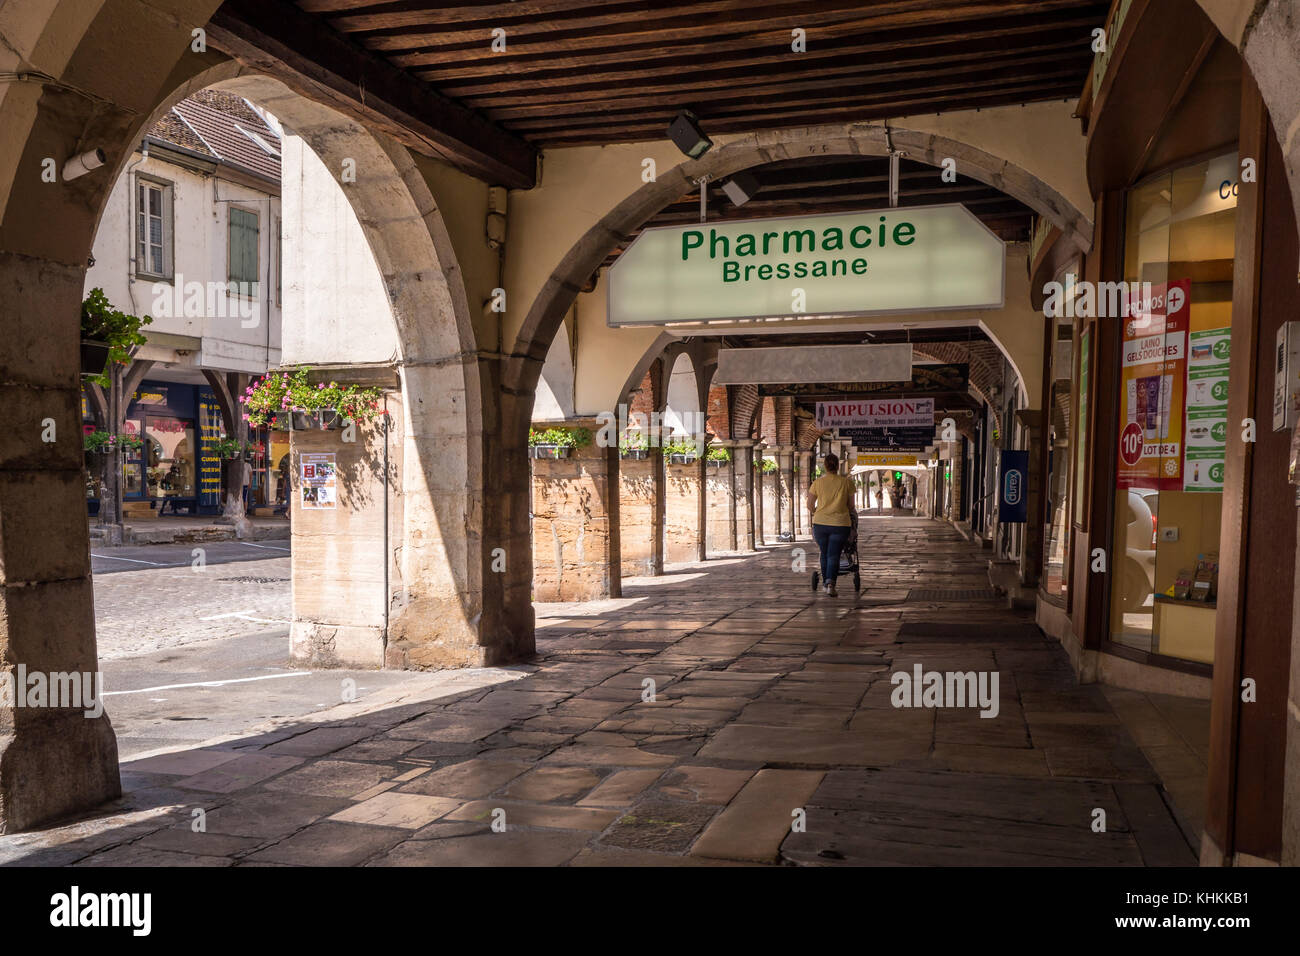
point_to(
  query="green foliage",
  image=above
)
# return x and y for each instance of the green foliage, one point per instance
(100, 322)
(279, 393)
(679, 446)
(769, 465)
(632, 441)
(101, 442)
(718, 453)
(563, 437)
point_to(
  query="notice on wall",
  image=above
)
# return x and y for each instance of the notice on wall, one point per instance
(877, 413)
(319, 482)
(1153, 369)
(1208, 355)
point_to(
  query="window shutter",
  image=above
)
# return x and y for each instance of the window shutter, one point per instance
(243, 251)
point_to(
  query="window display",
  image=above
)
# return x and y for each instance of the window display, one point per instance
(1172, 431)
(169, 457)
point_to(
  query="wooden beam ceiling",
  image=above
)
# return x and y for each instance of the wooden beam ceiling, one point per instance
(598, 71)
(282, 41)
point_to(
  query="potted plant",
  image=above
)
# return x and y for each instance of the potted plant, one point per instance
(769, 465)
(107, 336)
(280, 398)
(717, 456)
(679, 451)
(634, 446)
(227, 448)
(100, 442)
(555, 443)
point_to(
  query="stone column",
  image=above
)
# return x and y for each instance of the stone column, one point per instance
(54, 760)
(785, 465)
(805, 481)
(757, 470)
(1031, 553)
(575, 524)
(721, 531)
(742, 477)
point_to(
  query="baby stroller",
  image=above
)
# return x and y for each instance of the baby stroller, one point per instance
(848, 558)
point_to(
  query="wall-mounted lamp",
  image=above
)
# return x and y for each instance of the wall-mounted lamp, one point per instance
(686, 134)
(740, 188)
(80, 165)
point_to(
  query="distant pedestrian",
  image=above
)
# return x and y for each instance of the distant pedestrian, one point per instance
(830, 502)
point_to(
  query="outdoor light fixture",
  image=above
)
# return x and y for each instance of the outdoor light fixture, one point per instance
(740, 188)
(80, 165)
(686, 134)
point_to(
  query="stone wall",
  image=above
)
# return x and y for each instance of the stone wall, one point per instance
(681, 512)
(339, 553)
(720, 534)
(574, 543)
(636, 504)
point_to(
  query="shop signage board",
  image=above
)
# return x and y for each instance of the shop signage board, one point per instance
(1013, 501)
(210, 429)
(878, 413)
(1208, 354)
(917, 437)
(319, 481)
(1153, 380)
(921, 258)
(886, 460)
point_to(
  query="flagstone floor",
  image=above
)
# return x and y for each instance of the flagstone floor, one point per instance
(722, 714)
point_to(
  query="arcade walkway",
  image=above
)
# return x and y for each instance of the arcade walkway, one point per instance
(768, 700)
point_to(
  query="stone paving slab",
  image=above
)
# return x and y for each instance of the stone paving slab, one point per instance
(769, 699)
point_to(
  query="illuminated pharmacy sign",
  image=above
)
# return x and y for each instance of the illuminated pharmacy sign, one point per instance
(923, 258)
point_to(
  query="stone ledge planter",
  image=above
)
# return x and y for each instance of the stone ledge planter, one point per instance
(551, 452)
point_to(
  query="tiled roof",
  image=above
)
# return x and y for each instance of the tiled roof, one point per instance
(223, 126)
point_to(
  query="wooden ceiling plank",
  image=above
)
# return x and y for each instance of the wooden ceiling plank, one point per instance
(655, 59)
(278, 38)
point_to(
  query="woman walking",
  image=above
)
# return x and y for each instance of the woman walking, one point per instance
(830, 502)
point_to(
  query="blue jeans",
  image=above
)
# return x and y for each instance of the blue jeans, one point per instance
(830, 539)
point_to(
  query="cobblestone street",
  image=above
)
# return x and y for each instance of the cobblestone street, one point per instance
(153, 609)
(720, 714)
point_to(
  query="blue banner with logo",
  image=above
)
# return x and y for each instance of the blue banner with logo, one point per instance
(1013, 487)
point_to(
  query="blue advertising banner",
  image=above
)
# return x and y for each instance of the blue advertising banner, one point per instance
(210, 429)
(1013, 487)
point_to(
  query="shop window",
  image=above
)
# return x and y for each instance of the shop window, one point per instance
(132, 464)
(1056, 536)
(1172, 427)
(153, 228)
(169, 457)
(242, 248)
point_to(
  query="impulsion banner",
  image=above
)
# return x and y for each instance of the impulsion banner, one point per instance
(877, 413)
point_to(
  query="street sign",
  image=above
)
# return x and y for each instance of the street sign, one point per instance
(886, 460)
(919, 258)
(1013, 497)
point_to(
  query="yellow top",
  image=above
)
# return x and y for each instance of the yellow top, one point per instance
(834, 493)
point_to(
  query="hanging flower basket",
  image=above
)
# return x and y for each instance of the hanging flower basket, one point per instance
(279, 399)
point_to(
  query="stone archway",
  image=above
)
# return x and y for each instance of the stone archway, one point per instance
(55, 761)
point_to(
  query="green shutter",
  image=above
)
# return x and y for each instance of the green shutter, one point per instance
(243, 250)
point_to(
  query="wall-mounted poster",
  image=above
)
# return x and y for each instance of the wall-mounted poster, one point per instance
(319, 482)
(1153, 369)
(877, 413)
(1208, 354)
